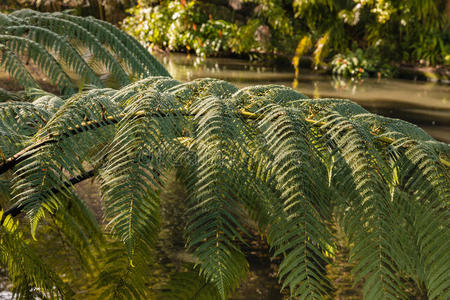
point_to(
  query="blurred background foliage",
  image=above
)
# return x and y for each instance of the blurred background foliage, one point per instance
(108, 10)
(353, 38)
(376, 31)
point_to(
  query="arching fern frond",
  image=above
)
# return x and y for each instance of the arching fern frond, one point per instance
(58, 44)
(153, 66)
(106, 37)
(130, 175)
(66, 27)
(371, 208)
(58, 34)
(264, 155)
(428, 183)
(15, 68)
(43, 59)
(214, 214)
(298, 234)
(59, 148)
(19, 122)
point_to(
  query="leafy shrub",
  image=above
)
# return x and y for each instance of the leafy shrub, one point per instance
(358, 64)
(207, 29)
(110, 10)
(403, 31)
(178, 26)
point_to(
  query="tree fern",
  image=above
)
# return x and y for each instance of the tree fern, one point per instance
(264, 155)
(50, 41)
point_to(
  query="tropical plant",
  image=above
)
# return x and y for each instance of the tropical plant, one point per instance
(262, 158)
(293, 165)
(411, 32)
(177, 25)
(71, 51)
(358, 64)
(210, 29)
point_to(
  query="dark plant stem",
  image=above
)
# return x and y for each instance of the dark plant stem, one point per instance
(25, 153)
(17, 209)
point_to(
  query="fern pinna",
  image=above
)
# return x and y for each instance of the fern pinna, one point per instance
(262, 158)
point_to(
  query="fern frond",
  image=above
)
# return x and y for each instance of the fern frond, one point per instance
(9, 20)
(214, 214)
(48, 32)
(117, 278)
(106, 37)
(7, 95)
(373, 251)
(158, 83)
(43, 59)
(19, 122)
(253, 98)
(297, 231)
(63, 50)
(38, 179)
(188, 92)
(15, 68)
(65, 27)
(153, 66)
(132, 170)
(427, 181)
(48, 102)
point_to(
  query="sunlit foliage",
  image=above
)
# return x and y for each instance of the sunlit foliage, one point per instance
(264, 159)
(397, 30)
(293, 166)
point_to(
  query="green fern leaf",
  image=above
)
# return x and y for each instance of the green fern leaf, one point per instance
(15, 68)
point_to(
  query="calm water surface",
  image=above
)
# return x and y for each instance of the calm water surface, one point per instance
(426, 104)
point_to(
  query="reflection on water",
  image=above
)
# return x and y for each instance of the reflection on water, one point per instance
(423, 103)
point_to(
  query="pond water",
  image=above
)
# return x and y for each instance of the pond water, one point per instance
(426, 104)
